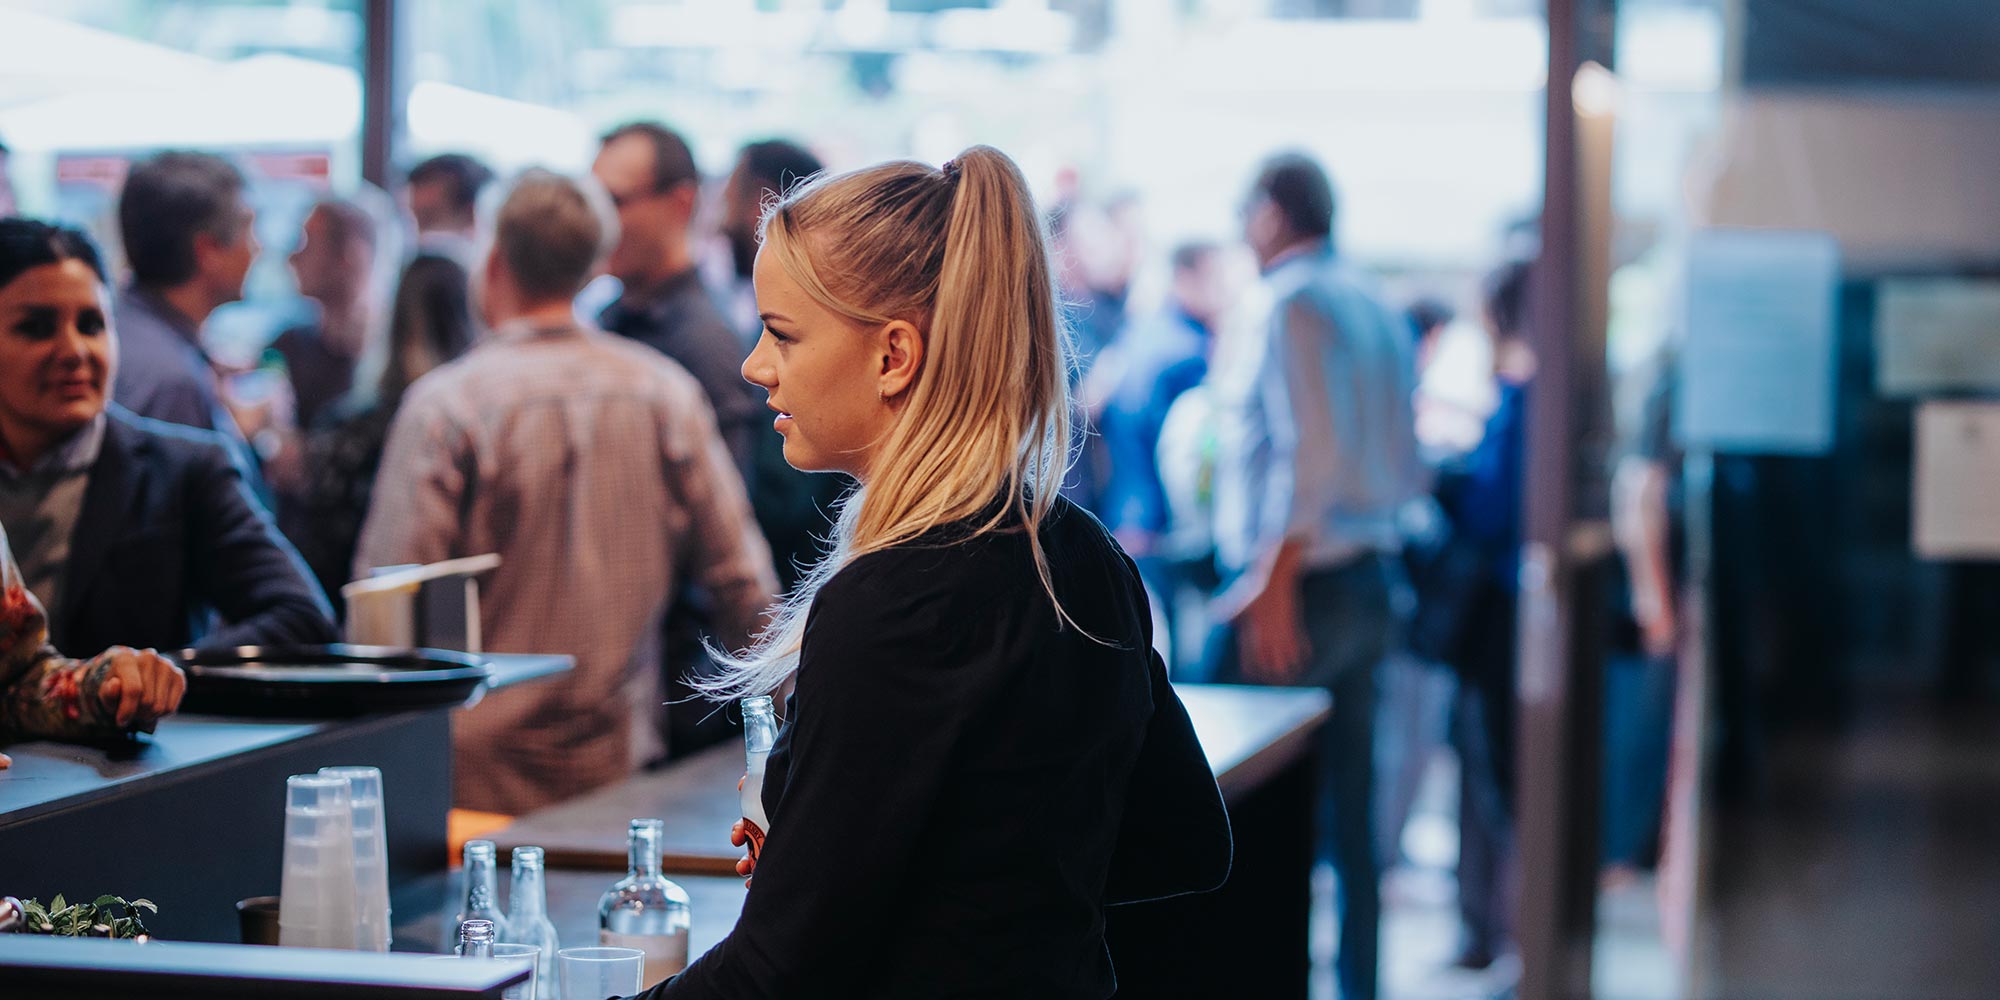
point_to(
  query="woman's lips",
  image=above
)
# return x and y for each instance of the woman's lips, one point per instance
(76, 389)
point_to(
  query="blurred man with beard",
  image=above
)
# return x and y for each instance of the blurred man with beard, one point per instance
(764, 170)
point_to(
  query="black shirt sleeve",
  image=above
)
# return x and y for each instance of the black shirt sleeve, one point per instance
(1175, 836)
(882, 696)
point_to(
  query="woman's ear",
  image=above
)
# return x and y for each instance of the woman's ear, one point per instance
(902, 358)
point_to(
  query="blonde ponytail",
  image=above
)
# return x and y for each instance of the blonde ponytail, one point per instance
(961, 254)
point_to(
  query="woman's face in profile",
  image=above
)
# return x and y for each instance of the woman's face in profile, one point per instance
(57, 354)
(822, 372)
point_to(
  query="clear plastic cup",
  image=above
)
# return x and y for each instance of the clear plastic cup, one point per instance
(596, 973)
(371, 858)
(522, 956)
(525, 955)
(316, 896)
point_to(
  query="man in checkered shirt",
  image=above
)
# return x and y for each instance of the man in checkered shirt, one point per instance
(592, 465)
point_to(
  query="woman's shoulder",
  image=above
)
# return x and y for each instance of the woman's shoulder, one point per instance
(977, 572)
(915, 572)
(145, 441)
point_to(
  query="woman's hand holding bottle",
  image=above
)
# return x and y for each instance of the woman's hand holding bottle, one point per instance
(739, 835)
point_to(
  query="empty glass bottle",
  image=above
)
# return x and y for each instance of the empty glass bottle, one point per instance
(644, 910)
(475, 939)
(760, 734)
(528, 916)
(482, 890)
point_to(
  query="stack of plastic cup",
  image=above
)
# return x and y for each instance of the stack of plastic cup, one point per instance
(316, 898)
(371, 858)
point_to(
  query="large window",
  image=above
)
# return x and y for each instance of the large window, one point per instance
(1431, 124)
(86, 86)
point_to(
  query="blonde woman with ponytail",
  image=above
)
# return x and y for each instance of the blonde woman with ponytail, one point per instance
(981, 750)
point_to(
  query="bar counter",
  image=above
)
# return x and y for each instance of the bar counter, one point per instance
(192, 816)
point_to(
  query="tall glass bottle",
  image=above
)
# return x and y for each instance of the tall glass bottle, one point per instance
(760, 734)
(475, 939)
(482, 890)
(528, 916)
(644, 910)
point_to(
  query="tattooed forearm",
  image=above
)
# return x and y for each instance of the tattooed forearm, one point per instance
(57, 698)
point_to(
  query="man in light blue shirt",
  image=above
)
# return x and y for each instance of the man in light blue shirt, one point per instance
(1318, 456)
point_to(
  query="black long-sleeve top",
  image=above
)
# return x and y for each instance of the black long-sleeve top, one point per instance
(963, 782)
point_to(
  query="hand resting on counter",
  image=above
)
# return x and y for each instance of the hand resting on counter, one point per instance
(45, 695)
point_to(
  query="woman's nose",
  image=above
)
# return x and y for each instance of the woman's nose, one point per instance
(73, 347)
(755, 371)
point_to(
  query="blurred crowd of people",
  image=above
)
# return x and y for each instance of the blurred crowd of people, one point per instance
(1324, 484)
(1253, 433)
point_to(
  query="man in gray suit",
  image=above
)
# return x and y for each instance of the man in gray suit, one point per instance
(189, 239)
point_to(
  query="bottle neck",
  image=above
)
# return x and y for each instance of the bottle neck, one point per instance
(528, 898)
(475, 939)
(760, 725)
(643, 856)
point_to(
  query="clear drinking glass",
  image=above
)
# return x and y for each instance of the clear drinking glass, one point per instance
(371, 858)
(596, 973)
(528, 912)
(645, 910)
(525, 955)
(316, 891)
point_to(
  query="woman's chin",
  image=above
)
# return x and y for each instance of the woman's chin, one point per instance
(805, 459)
(799, 458)
(71, 415)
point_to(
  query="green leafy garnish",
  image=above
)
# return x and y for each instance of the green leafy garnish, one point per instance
(100, 918)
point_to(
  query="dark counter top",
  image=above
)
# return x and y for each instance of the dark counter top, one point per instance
(95, 969)
(192, 816)
(48, 776)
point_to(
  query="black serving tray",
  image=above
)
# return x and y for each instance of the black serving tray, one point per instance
(328, 681)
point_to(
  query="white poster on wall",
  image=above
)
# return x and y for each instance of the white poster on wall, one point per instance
(1937, 335)
(1955, 512)
(1757, 366)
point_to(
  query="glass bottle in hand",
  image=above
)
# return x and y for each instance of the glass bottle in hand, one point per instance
(528, 916)
(646, 911)
(760, 734)
(482, 890)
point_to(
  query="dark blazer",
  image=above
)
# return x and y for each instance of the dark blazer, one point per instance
(964, 781)
(172, 550)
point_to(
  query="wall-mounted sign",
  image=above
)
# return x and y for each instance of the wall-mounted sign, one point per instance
(1757, 367)
(1937, 335)
(1955, 512)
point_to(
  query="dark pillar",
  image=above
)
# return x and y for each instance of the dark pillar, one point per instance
(1567, 549)
(384, 89)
